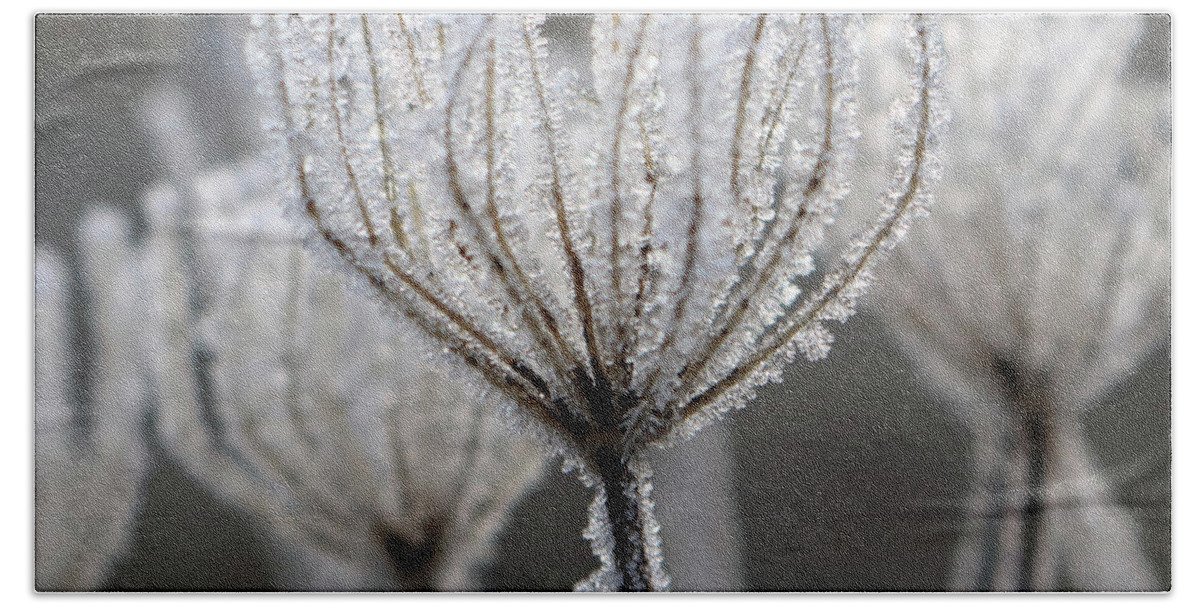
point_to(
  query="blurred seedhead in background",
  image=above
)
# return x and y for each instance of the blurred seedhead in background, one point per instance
(210, 325)
(89, 462)
(1043, 280)
(299, 401)
(303, 403)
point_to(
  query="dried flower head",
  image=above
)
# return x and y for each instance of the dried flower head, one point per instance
(1044, 278)
(615, 252)
(301, 402)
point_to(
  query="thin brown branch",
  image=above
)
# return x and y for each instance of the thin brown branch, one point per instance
(760, 275)
(390, 187)
(414, 63)
(500, 264)
(617, 206)
(578, 277)
(739, 125)
(341, 136)
(691, 249)
(644, 267)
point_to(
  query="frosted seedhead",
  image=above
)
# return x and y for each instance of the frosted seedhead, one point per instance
(618, 254)
(636, 231)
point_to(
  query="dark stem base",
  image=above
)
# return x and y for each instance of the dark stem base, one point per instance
(1032, 412)
(1036, 436)
(623, 507)
(414, 561)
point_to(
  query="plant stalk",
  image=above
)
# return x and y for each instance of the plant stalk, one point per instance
(625, 514)
(1035, 422)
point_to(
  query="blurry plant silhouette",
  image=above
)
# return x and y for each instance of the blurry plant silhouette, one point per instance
(300, 402)
(314, 411)
(615, 253)
(90, 454)
(287, 395)
(1044, 279)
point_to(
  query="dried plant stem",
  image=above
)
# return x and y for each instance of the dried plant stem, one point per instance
(1040, 503)
(626, 513)
(1012, 552)
(1036, 434)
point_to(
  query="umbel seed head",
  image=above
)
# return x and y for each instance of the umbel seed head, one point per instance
(615, 250)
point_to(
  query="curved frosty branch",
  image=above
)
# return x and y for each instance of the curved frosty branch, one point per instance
(918, 127)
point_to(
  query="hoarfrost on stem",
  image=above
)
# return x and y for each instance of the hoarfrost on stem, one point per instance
(615, 252)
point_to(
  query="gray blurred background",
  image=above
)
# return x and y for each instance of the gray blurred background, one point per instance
(848, 476)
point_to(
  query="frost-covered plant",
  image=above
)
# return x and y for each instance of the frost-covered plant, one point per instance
(303, 404)
(90, 459)
(1044, 278)
(616, 253)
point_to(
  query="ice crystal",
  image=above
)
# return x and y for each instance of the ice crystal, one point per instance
(616, 252)
(1044, 278)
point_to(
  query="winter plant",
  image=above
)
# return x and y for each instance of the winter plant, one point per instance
(616, 254)
(313, 410)
(1043, 279)
(90, 454)
(301, 402)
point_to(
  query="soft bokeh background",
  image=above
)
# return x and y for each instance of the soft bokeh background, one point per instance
(848, 476)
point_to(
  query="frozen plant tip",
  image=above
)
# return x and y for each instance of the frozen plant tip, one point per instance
(617, 251)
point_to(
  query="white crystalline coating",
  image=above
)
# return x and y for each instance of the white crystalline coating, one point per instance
(919, 120)
(1047, 263)
(90, 461)
(650, 526)
(312, 408)
(600, 536)
(635, 229)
